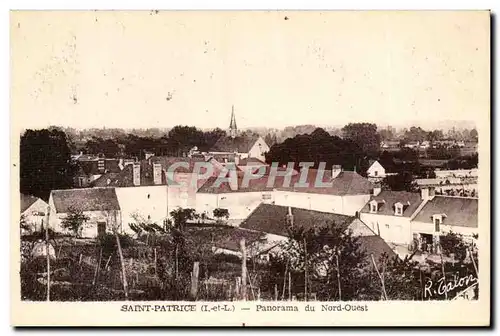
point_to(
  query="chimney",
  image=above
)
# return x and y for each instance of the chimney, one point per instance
(289, 217)
(157, 173)
(377, 189)
(427, 193)
(336, 169)
(137, 174)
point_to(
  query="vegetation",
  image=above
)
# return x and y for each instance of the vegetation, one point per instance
(74, 221)
(44, 162)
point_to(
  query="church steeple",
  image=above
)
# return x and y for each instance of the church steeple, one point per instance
(233, 130)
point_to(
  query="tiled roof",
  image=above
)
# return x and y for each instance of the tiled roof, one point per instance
(227, 237)
(387, 198)
(87, 199)
(460, 211)
(240, 144)
(91, 167)
(253, 185)
(167, 161)
(346, 183)
(376, 246)
(251, 161)
(27, 201)
(125, 178)
(271, 218)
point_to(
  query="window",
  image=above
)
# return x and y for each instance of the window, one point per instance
(399, 209)
(386, 226)
(373, 206)
(376, 173)
(437, 223)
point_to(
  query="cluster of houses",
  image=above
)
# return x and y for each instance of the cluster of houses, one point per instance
(122, 194)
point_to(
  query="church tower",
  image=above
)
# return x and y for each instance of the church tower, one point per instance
(233, 130)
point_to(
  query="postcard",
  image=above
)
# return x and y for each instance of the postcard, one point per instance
(250, 168)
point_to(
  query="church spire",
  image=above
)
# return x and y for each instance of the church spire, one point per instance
(233, 130)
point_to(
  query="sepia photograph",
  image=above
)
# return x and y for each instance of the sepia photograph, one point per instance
(189, 161)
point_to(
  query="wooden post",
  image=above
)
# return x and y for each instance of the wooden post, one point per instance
(474, 263)
(107, 263)
(289, 285)
(97, 267)
(194, 279)
(251, 286)
(276, 292)
(305, 270)
(124, 274)
(156, 264)
(380, 277)
(243, 270)
(444, 275)
(47, 252)
(338, 276)
(237, 287)
(80, 259)
(176, 261)
(284, 281)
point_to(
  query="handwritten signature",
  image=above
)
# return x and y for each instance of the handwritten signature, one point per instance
(443, 288)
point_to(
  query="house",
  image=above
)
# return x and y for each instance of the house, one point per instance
(376, 172)
(33, 211)
(146, 191)
(439, 216)
(99, 204)
(240, 198)
(346, 194)
(226, 240)
(275, 221)
(452, 186)
(240, 146)
(251, 164)
(388, 213)
(90, 168)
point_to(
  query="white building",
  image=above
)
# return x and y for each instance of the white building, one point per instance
(100, 205)
(238, 147)
(346, 194)
(33, 210)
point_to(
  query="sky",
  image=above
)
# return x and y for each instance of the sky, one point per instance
(143, 69)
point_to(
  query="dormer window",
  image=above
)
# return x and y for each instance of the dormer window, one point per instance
(373, 206)
(438, 220)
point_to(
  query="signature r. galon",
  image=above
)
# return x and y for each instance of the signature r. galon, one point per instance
(442, 287)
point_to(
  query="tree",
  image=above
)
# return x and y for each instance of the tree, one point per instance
(317, 147)
(220, 213)
(181, 216)
(23, 224)
(454, 243)
(402, 181)
(473, 134)
(44, 162)
(74, 221)
(183, 138)
(415, 134)
(331, 257)
(107, 147)
(435, 135)
(365, 135)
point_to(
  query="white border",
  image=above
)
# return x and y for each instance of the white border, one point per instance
(187, 4)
